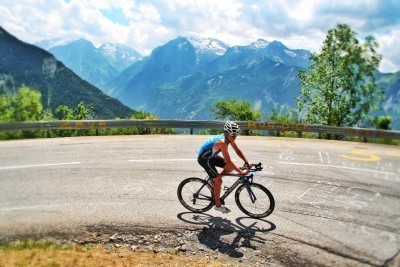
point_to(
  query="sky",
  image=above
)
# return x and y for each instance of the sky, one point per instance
(145, 25)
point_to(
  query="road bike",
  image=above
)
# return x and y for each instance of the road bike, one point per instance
(253, 199)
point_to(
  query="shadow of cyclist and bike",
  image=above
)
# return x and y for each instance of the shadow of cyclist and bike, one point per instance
(227, 237)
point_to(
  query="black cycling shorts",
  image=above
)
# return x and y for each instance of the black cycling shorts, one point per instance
(210, 164)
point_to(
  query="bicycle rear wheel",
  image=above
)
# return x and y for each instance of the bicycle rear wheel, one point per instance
(193, 199)
(262, 207)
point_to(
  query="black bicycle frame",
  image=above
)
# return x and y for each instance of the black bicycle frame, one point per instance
(242, 179)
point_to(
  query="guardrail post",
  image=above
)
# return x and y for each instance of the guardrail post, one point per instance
(48, 133)
(191, 131)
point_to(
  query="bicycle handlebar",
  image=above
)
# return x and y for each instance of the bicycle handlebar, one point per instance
(252, 168)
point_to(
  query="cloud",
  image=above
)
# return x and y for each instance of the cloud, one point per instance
(144, 24)
(389, 42)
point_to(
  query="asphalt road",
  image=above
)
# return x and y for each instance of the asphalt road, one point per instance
(337, 203)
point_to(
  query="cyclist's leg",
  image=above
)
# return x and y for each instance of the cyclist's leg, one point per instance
(209, 166)
(217, 190)
(218, 183)
(227, 169)
(217, 162)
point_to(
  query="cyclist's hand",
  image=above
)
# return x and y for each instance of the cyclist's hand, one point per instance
(243, 172)
(248, 165)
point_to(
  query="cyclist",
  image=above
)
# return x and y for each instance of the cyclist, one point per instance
(209, 159)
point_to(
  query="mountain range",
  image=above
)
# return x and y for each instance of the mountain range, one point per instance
(184, 77)
(26, 64)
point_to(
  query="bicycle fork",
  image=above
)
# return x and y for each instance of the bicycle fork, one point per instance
(251, 194)
(246, 182)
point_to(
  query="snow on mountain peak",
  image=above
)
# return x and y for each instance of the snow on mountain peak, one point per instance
(115, 51)
(206, 46)
(290, 53)
(259, 44)
(109, 49)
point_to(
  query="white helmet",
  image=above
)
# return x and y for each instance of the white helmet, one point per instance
(231, 128)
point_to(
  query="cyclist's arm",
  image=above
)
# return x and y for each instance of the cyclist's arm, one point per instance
(239, 152)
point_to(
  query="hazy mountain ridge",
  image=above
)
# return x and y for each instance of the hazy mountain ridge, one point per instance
(34, 67)
(96, 65)
(391, 106)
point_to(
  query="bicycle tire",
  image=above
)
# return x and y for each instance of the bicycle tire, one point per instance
(186, 195)
(263, 206)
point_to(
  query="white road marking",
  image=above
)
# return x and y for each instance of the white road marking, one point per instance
(61, 205)
(321, 157)
(334, 166)
(38, 165)
(157, 160)
(36, 141)
(28, 208)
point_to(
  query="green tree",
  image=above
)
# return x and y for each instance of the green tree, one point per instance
(235, 110)
(47, 115)
(81, 112)
(24, 105)
(84, 113)
(6, 112)
(144, 115)
(64, 113)
(340, 88)
(383, 122)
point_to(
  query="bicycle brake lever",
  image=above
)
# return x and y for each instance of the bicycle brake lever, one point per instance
(258, 167)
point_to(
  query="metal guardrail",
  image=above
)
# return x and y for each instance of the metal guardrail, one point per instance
(195, 124)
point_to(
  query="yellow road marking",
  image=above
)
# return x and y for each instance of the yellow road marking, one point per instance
(364, 156)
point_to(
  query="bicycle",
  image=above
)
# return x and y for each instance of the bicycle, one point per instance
(197, 194)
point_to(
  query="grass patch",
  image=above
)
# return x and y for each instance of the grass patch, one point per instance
(48, 253)
(32, 244)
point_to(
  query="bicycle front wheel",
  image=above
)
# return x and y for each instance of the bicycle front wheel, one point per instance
(196, 195)
(263, 204)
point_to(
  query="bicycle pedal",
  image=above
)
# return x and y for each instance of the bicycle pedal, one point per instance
(225, 188)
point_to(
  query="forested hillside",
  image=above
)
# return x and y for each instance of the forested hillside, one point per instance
(25, 64)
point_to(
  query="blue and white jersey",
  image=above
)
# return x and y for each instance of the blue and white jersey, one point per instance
(207, 149)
